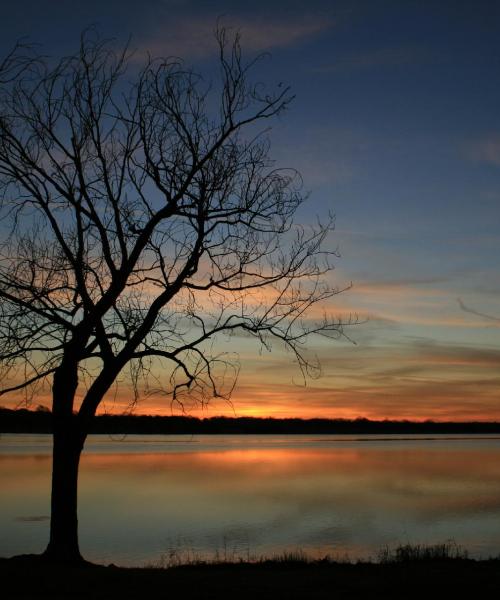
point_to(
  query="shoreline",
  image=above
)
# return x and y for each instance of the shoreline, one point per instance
(40, 421)
(273, 579)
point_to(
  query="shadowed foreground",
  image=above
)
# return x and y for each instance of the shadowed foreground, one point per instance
(422, 579)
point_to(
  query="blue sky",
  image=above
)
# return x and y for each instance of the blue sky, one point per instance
(396, 128)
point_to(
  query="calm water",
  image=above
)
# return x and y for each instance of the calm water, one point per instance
(142, 497)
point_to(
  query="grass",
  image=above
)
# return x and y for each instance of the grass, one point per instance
(188, 557)
(401, 554)
(411, 553)
(407, 571)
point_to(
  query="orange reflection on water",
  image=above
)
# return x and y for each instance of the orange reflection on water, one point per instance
(320, 496)
(424, 483)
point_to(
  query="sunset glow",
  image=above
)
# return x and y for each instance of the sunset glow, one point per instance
(396, 130)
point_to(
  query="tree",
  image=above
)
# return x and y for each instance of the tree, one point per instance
(143, 219)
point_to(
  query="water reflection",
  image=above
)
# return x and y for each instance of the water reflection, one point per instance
(233, 496)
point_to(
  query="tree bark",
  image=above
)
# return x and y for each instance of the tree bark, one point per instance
(63, 544)
(68, 440)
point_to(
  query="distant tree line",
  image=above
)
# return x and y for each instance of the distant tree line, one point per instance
(40, 421)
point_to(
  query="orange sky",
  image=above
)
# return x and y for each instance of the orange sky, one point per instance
(395, 369)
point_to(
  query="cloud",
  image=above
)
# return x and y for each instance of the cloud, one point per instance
(476, 312)
(416, 400)
(415, 379)
(486, 150)
(400, 288)
(261, 35)
(413, 301)
(194, 38)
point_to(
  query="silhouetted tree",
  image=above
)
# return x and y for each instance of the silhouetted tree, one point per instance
(142, 218)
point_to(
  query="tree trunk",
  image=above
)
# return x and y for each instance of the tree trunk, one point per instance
(68, 440)
(68, 444)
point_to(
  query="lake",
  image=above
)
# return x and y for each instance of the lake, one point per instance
(142, 498)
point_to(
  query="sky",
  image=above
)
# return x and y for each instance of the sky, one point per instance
(396, 129)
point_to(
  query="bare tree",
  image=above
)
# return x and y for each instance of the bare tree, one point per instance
(141, 220)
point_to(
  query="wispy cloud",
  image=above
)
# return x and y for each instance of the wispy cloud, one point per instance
(485, 150)
(418, 379)
(477, 312)
(194, 38)
(403, 287)
(414, 302)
